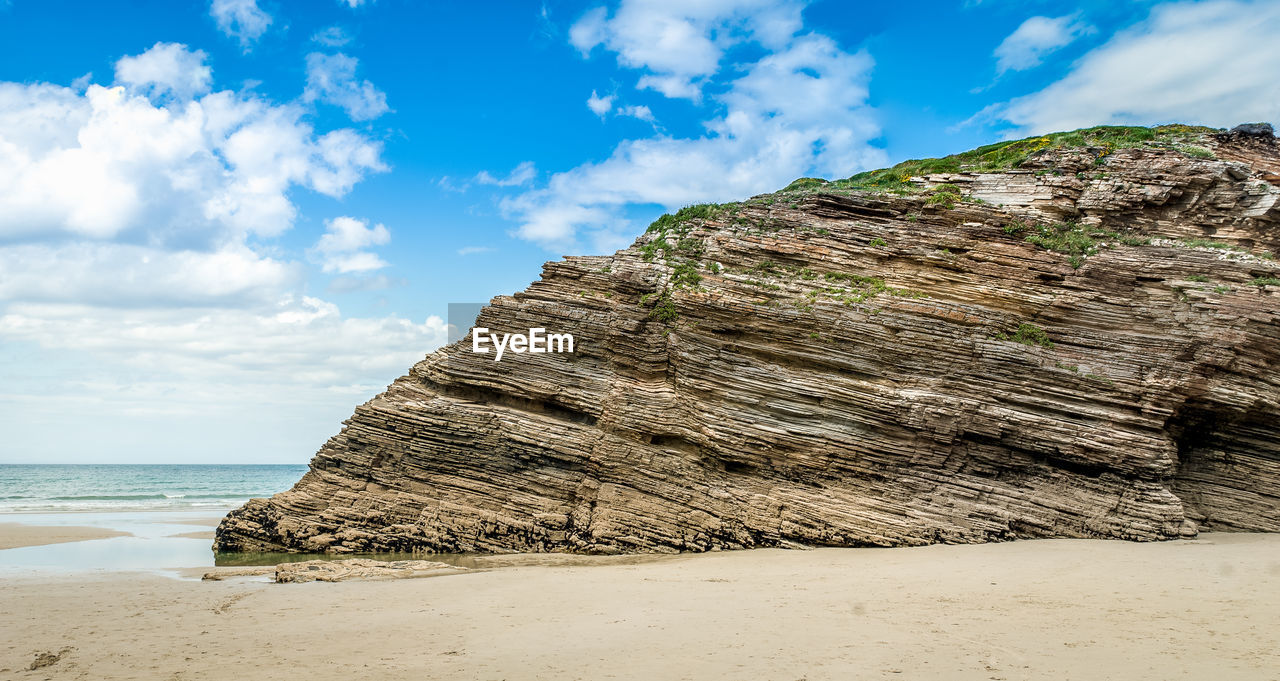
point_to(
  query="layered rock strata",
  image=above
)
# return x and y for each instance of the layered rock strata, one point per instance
(1083, 346)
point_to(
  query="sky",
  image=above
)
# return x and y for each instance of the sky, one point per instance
(224, 224)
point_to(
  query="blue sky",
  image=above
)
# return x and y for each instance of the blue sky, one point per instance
(224, 224)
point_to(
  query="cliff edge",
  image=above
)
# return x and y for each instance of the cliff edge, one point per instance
(1075, 335)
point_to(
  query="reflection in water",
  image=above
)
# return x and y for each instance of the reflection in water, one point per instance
(117, 553)
(154, 546)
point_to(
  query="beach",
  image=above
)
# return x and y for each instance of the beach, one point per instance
(1045, 609)
(18, 535)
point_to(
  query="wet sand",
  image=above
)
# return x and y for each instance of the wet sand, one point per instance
(16, 535)
(204, 534)
(1052, 609)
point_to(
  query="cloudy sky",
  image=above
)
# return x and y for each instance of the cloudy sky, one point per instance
(224, 224)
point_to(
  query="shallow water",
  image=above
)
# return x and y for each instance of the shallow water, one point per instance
(153, 546)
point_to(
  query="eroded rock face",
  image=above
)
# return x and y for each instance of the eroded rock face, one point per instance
(853, 368)
(359, 569)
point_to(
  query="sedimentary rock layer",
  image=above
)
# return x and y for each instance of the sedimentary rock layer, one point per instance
(1084, 346)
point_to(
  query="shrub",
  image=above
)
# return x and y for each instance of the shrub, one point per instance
(1012, 154)
(1027, 334)
(806, 183)
(701, 211)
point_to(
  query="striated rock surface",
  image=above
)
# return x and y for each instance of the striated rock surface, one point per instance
(1084, 345)
(359, 569)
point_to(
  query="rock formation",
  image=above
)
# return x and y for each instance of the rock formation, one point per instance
(1076, 335)
(359, 569)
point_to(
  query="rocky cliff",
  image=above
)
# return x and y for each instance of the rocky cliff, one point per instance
(1068, 336)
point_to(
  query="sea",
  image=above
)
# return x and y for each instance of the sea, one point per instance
(168, 513)
(58, 488)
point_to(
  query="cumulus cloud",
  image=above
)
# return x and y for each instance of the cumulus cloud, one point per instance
(801, 109)
(240, 19)
(519, 176)
(1035, 39)
(599, 105)
(1187, 62)
(342, 247)
(112, 164)
(166, 67)
(331, 78)
(678, 45)
(139, 227)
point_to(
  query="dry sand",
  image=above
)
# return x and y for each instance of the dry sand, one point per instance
(1055, 609)
(15, 535)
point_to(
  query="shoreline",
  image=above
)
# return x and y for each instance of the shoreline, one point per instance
(22, 535)
(54, 543)
(1052, 608)
(123, 509)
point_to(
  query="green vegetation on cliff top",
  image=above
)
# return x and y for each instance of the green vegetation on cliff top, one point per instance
(990, 158)
(1013, 153)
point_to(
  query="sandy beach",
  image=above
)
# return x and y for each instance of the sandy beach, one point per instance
(1052, 609)
(17, 535)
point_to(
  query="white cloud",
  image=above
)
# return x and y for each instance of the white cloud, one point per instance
(641, 112)
(679, 44)
(447, 183)
(345, 284)
(240, 19)
(800, 110)
(111, 164)
(333, 36)
(474, 250)
(166, 67)
(331, 78)
(1201, 63)
(599, 105)
(341, 248)
(1035, 39)
(590, 30)
(194, 361)
(355, 3)
(128, 275)
(519, 176)
(139, 262)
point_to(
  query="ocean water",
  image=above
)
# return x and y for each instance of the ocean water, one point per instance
(168, 512)
(54, 488)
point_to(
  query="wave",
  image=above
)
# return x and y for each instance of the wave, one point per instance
(145, 497)
(104, 506)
